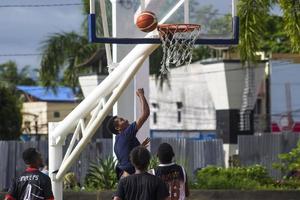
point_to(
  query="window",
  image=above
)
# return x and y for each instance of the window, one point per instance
(258, 106)
(179, 109)
(154, 118)
(155, 108)
(56, 114)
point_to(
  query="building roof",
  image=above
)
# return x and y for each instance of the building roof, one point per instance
(62, 94)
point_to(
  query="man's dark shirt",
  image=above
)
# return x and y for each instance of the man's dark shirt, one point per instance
(124, 143)
(143, 186)
(31, 185)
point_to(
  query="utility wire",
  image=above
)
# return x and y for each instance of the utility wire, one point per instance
(20, 54)
(40, 5)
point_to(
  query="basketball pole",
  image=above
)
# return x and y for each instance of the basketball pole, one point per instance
(105, 31)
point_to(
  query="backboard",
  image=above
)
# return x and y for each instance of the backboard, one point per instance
(218, 20)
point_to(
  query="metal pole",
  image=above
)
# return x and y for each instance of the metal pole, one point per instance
(55, 159)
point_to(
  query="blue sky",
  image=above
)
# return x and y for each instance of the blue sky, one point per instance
(24, 28)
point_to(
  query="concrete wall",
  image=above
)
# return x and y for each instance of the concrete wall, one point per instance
(198, 195)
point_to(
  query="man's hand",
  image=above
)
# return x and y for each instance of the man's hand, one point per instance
(140, 92)
(146, 142)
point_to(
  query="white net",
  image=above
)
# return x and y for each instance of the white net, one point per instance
(178, 41)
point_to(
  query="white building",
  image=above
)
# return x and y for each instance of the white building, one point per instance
(182, 103)
(203, 99)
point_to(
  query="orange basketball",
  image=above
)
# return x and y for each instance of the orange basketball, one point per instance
(146, 21)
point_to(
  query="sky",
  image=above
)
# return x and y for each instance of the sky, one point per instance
(22, 29)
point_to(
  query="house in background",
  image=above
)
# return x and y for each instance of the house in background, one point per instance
(42, 105)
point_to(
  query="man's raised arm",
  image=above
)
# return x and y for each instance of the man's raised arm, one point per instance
(145, 111)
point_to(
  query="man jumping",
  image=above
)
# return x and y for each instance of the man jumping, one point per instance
(126, 136)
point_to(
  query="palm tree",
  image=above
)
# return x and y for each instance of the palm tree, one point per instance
(10, 76)
(253, 22)
(69, 53)
(62, 52)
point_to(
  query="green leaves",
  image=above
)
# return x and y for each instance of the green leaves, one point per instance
(252, 177)
(253, 15)
(10, 115)
(289, 161)
(10, 77)
(101, 174)
(291, 16)
(61, 53)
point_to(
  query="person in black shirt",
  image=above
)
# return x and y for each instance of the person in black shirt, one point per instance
(141, 185)
(172, 174)
(32, 184)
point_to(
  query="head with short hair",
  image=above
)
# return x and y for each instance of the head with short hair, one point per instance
(117, 124)
(32, 157)
(140, 158)
(165, 153)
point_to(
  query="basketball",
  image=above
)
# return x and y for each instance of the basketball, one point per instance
(146, 21)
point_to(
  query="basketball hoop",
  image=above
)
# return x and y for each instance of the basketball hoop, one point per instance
(178, 41)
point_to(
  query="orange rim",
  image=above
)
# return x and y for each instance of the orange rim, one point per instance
(173, 28)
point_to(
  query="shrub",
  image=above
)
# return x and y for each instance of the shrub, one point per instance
(232, 178)
(101, 174)
(289, 161)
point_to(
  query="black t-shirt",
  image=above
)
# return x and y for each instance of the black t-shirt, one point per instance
(31, 185)
(142, 187)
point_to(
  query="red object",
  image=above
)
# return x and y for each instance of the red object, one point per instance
(146, 21)
(9, 197)
(31, 169)
(275, 127)
(296, 127)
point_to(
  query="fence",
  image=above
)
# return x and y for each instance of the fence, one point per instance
(264, 149)
(12, 163)
(192, 153)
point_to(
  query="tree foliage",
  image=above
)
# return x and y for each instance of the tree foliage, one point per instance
(10, 76)
(101, 174)
(61, 53)
(289, 161)
(291, 18)
(253, 15)
(275, 39)
(10, 115)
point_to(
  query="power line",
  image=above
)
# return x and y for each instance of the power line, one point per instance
(20, 54)
(40, 5)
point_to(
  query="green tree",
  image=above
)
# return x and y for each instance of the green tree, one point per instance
(275, 39)
(10, 76)
(62, 52)
(10, 115)
(66, 53)
(255, 24)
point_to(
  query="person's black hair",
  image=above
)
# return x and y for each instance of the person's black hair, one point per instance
(140, 158)
(30, 156)
(165, 153)
(111, 126)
